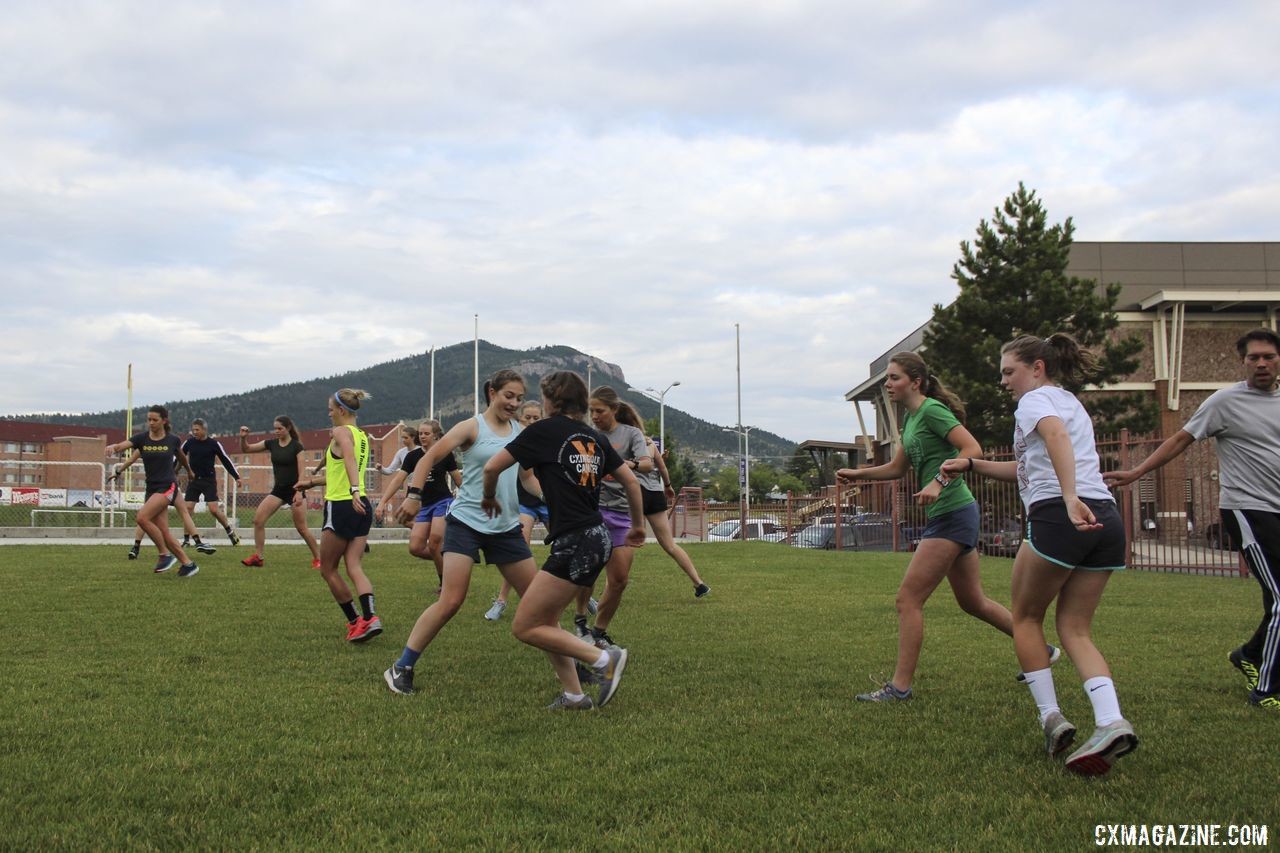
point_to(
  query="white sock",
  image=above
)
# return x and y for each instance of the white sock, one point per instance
(602, 661)
(1046, 698)
(574, 697)
(1106, 705)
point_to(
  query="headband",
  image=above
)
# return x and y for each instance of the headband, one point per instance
(338, 400)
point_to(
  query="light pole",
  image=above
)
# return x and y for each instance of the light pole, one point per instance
(744, 481)
(662, 414)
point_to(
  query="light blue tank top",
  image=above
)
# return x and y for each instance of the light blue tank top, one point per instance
(466, 506)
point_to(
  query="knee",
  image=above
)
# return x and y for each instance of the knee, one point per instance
(908, 601)
(449, 606)
(421, 550)
(972, 605)
(617, 583)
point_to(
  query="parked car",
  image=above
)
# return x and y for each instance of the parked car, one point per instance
(764, 529)
(870, 533)
(1000, 539)
(1218, 538)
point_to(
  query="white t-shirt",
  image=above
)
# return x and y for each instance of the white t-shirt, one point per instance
(1037, 480)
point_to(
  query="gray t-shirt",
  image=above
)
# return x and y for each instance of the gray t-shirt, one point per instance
(1246, 424)
(652, 480)
(628, 443)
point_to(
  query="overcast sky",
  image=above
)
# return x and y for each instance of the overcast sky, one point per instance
(230, 195)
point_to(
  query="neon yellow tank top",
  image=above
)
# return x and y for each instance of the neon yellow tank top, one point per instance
(336, 485)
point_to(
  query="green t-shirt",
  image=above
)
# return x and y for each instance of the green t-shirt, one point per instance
(924, 437)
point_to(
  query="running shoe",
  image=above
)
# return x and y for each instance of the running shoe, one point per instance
(580, 628)
(165, 563)
(234, 537)
(253, 560)
(133, 552)
(701, 590)
(611, 676)
(186, 542)
(1054, 654)
(315, 564)
(399, 679)
(188, 570)
(1100, 751)
(494, 613)
(564, 703)
(587, 674)
(1247, 668)
(366, 629)
(1270, 701)
(1058, 734)
(206, 548)
(592, 606)
(888, 693)
(602, 640)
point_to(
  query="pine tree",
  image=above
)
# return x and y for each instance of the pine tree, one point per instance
(1013, 281)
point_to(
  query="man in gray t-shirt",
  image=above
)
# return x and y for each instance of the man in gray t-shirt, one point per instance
(1245, 421)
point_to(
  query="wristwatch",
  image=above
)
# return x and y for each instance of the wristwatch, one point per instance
(355, 490)
(942, 479)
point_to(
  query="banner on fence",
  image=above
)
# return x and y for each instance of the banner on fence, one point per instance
(25, 497)
(84, 497)
(53, 497)
(5, 498)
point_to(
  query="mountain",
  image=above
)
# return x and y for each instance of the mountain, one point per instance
(400, 391)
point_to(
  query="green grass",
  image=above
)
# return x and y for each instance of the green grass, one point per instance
(226, 711)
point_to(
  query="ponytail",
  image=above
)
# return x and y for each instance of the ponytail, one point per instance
(1064, 359)
(930, 386)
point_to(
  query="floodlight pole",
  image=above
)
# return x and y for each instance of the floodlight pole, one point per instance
(662, 414)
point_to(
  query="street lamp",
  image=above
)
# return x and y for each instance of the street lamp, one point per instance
(662, 414)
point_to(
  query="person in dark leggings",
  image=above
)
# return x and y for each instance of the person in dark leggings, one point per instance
(1244, 421)
(202, 451)
(158, 447)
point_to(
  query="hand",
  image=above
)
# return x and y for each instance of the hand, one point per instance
(669, 492)
(847, 475)
(929, 494)
(297, 498)
(1082, 518)
(491, 507)
(635, 537)
(357, 503)
(1116, 479)
(407, 510)
(954, 467)
(244, 430)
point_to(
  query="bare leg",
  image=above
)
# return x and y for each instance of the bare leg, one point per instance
(332, 549)
(1076, 605)
(1036, 583)
(537, 623)
(299, 511)
(966, 585)
(929, 565)
(618, 571)
(661, 526)
(265, 510)
(457, 578)
(153, 518)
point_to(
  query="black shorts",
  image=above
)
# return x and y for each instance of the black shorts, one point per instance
(343, 520)
(169, 490)
(654, 502)
(500, 549)
(206, 487)
(1051, 534)
(578, 556)
(284, 493)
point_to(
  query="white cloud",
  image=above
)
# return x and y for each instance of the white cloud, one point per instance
(244, 179)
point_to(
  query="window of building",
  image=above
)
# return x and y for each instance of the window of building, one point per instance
(11, 478)
(30, 478)
(11, 447)
(29, 447)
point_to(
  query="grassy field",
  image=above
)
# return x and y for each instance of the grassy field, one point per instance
(226, 711)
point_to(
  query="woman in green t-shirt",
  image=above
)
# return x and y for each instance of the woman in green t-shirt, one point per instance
(934, 431)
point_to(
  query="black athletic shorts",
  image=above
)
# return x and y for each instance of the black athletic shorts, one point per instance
(500, 549)
(284, 493)
(579, 555)
(206, 487)
(1051, 534)
(169, 490)
(343, 520)
(654, 502)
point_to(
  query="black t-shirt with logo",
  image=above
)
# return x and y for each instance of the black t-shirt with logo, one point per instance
(569, 459)
(157, 457)
(436, 488)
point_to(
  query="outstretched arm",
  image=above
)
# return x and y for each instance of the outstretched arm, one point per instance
(1169, 450)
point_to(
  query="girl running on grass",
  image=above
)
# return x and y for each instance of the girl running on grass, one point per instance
(469, 530)
(399, 470)
(1075, 539)
(570, 460)
(933, 432)
(347, 514)
(426, 537)
(655, 487)
(287, 468)
(619, 423)
(158, 447)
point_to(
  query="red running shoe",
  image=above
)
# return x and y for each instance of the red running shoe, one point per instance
(254, 560)
(315, 564)
(353, 629)
(365, 629)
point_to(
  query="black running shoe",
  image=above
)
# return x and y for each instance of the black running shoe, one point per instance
(234, 537)
(206, 548)
(399, 679)
(188, 570)
(133, 553)
(1247, 668)
(580, 628)
(165, 563)
(601, 639)
(701, 590)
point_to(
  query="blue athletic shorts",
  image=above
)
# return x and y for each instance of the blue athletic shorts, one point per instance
(537, 513)
(959, 526)
(438, 508)
(499, 548)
